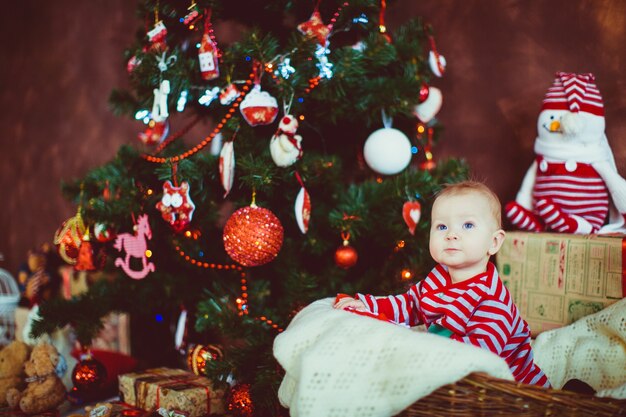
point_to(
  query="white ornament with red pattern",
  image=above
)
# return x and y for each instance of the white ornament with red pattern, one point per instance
(411, 213)
(259, 107)
(302, 209)
(428, 109)
(285, 145)
(227, 166)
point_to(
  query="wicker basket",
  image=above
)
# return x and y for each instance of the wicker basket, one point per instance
(482, 395)
(9, 297)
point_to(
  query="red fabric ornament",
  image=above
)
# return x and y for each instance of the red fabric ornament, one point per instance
(259, 107)
(239, 402)
(157, 33)
(176, 206)
(423, 93)
(315, 28)
(229, 94)
(411, 213)
(346, 256)
(135, 247)
(199, 355)
(208, 54)
(253, 236)
(155, 133)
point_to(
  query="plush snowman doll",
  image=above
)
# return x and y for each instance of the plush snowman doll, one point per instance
(573, 185)
(285, 145)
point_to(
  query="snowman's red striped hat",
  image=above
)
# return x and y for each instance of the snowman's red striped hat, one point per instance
(574, 92)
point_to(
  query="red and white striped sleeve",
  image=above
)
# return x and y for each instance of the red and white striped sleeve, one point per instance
(401, 309)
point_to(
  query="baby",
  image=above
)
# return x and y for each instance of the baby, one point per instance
(463, 297)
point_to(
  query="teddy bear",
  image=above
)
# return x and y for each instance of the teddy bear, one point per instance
(285, 145)
(573, 185)
(44, 388)
(12, 359)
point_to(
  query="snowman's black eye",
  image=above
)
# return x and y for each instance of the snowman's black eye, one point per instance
(551, 117)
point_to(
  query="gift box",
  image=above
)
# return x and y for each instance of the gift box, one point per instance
(171, 389)
(556, 278)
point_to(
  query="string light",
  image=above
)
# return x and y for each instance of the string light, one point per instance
(209, 95)
(406, 274)
(182, 101)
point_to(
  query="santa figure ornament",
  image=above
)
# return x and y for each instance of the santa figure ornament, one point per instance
(208, 53)
(573, 185)
(285, 146)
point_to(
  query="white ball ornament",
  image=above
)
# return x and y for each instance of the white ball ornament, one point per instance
(387, 151)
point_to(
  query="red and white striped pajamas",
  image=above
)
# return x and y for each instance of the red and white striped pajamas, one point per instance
(478, 311)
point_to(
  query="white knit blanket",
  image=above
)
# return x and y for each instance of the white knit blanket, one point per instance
(339, 364)
(593, 350)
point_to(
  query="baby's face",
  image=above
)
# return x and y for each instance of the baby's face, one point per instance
(462, 230)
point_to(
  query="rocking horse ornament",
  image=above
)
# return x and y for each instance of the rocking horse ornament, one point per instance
(135, 246)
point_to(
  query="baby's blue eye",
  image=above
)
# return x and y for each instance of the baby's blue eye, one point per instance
(468, 225)
(441, 227)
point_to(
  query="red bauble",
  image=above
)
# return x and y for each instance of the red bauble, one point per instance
(199, 355)
(424, 91)
(253, 236)
(88, 375)
(346, 256)
(239, 402)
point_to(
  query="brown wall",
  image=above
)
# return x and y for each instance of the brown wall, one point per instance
(61, 59)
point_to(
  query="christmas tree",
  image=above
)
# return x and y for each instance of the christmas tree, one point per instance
(313, 177)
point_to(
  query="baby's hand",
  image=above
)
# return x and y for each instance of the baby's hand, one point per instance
(344, 302)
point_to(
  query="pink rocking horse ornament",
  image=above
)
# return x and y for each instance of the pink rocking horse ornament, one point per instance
(135, 246)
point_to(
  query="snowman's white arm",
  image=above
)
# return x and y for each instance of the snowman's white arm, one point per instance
(525, 193)
(614, 182)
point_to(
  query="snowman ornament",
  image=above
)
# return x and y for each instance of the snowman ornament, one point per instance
(285, 145)
(573, 185)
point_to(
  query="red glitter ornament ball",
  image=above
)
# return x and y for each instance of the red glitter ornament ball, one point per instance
(239, 402)
(346, 256)
(253, 236)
